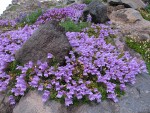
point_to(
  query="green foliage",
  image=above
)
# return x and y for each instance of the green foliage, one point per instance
(31, 19)
(148, 8)
(87, 1)
(92, 32)
(11, 68)
(13, 72)
(142, 48)
(19, 25)
(146, 13)
(119, 92)
(73, 27)
(104, 0)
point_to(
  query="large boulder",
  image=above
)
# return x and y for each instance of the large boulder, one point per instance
(49, 38)
(32, 103)
(127, 15)
(128, 3)
(136, 100)
(97, 10)
(110, 9)
(130, 22)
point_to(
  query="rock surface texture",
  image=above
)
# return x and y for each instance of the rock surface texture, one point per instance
(130, 22)
(128, 3)
(127, 15)
(32, 103)
(136, 100)
(5, 107)
(19, 8)
(97, 10)
(49, 38)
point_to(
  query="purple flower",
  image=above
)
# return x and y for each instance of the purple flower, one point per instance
(122, 87)
(59, 94)
(68, 101)
(49, 86)
(45, 96)
(91, 62)
(43, 66)
(45, 74)
(40, 88)
(89, 18)
(12, 100)
(113, 97)
(35, 81)
(49, 56)
(79, 96)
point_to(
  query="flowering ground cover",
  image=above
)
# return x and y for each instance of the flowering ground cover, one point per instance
(94, 70)
(29, 19)
(7, 23)
(72, 12)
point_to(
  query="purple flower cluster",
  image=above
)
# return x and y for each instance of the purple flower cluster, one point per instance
(90, 66)
(60, 79)
(20, 86)
(89, 18)
(7, 23)
(10, 42)
(102, 60)
(96, 65)
(74, 12)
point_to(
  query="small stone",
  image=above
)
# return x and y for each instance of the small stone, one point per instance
(98, 12)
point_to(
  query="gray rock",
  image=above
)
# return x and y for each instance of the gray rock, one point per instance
(32, 103)
(141, 36)
(72, 1)
(110, 9)
(136, 100)
(14, 2)
(97, 10)
(130, 23)
(128, 3)
(127, 15)
(5, 107)
(66, 2)
(79, 1)
(19, 7)
(49, 38)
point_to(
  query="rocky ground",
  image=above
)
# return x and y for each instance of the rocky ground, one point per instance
(18, 9)
(136, 100)
(129, 22)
